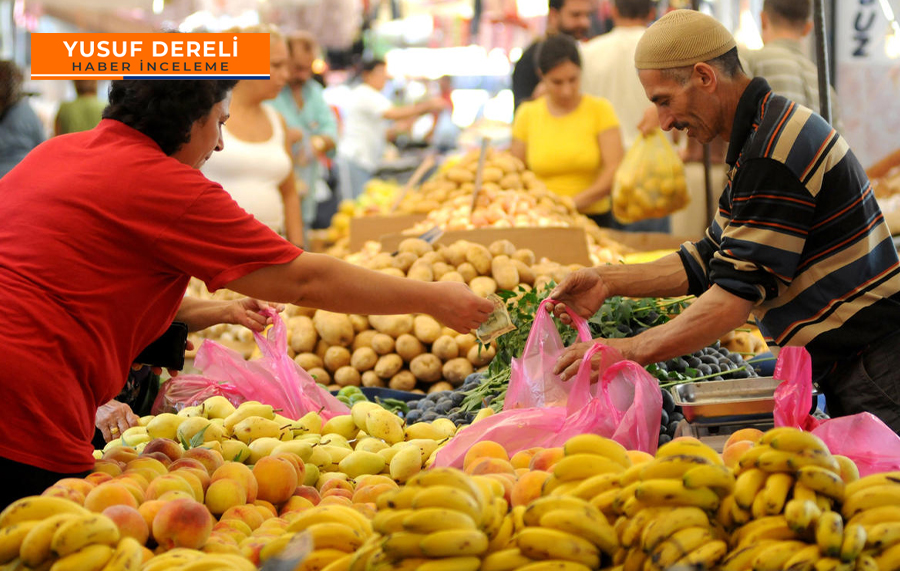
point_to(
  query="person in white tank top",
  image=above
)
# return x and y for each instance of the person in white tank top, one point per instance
(255, 165)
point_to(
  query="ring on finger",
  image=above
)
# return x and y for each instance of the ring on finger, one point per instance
(114, 429)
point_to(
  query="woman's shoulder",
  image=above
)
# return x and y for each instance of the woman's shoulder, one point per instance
(594, 102)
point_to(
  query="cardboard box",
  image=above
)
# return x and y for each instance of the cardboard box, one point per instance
(365, 228)
(649, 241)
(563, 245)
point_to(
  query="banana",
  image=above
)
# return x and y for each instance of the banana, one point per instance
(758, 509)
(689, 448)
(670, 521)
(536, 509)
(335, 536)
(775, 492)
(774, 433)
(866, 563)
(832, 564)
(219, 561)
(563, 488)
(670, 467)
(794, 440)
(830, 533)
(783, 461)
(855, 537)
(331, 514)
(824, 502)
(774, 558)
(632, 475)
(172, 559)
(589, 524)
(704, 557)
(403, 545)
(320, 558)
(882, 535)
(872, 516)
(428, 520)
(678, 545)
(390, 521)
(713, 476)
(849, 470)
(451, 564)
(748, 485)
(77, 533)
(742, 558)
(361, 557)
(723, 514)
(11, 538)
(518, 517)
(506, 560)
(635, 560)
(555, 565)
(775, 461)
(593, 444)
(399, 499)
(583, 466)
(633, 528)
(801, 492)
(35, 547)
(673, 493)
(822, 481)
(89, 558)
(443, 496)
(777, 530)
(749, 458)
(38, 508)
(503, 536)
(624, 495)
(889, 559)
(739, 515)
(127, 556)
(595, 485)
(605, 501)
(804, 559)
(800, 514)
(454, 543)
(737, 537)
(875, 496)
(540, 543)
(448, 477)
(880, 479)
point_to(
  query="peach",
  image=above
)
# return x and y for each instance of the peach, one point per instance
(167, 446)
(111, 467)
(295, 504)
(129, 521)
(731, 455)
(150, 467)
(246, 513)
(373, 480)
(522, 458)
(264, 511)
(336, 500)
(233, 525)
(97, 478)
(182, 523)
(148, 511)
(124, 454)
(146, 555)
(546, 458)
(638, 456)
(190, 476)
(159, 457)
(264, 504)
(507, 481)
(338, 493)
(176, 494)
(57, 491)
(368, 494)
(367, 510)
(276, 478)
(484, 449)
(251, 547)
(336, 483)
(187, 463)
(218, 543)
(521, 471)
(489, 465)
(308, 492)
(109, 494)
(528, 488)
(241, 473)
(211, 459)
(751, 434)
(78, 484)
(294, 461)
(168, 483)
(223, 494)
(135, 477)
(276, 523)
(133, 486)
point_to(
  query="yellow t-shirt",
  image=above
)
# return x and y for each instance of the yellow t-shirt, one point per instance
(563, 151)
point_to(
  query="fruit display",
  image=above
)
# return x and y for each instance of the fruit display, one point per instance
(377, 198)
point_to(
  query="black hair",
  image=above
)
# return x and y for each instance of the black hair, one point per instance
(165, 110)
(555, 4)
(10, 85)
(370, 64)
(728, 63)
(633, 9)
(791, 12)
(556, 50)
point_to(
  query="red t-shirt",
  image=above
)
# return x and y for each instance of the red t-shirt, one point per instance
(99, 235)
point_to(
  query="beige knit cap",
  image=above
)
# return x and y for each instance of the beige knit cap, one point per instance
(682, 38)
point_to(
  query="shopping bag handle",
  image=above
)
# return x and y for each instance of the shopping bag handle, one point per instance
(579, 323)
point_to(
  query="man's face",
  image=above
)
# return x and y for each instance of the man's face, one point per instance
(301, 64)
(206, 136)
(681, 106)
(377, 78)
(573, 19)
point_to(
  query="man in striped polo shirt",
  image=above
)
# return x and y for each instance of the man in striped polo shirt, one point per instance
(798, 240)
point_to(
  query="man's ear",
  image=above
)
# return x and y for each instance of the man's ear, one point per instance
(707, 77)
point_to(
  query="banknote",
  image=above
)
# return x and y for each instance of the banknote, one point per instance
(497, 323)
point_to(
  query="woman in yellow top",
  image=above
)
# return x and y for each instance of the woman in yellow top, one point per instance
(570, 140)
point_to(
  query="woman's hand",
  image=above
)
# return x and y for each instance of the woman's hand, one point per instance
(114, 418)
(581, 292)
(462, 309)
(248, 312)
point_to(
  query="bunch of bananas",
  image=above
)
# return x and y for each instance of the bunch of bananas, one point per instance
(184, 559)
(666, 506)
(873, 503)
(54, 533)
(588, 458)
(441, 519)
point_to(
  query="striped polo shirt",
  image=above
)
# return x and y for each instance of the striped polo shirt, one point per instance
(799, 233)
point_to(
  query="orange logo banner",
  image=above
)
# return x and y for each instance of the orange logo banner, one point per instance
(149, 56)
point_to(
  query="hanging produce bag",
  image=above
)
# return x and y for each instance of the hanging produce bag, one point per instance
(650, 181)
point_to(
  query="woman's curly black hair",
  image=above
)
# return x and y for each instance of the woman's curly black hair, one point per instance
(164, 110)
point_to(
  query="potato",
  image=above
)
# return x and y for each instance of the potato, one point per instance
(505, 273)
(491, 174)
(459, 175)
(541, 282)
(465, 341)
(309, 361)
(502, 248)
(336, 357)
(404, 260)
(421, 271)
(456, 370)
(347, 376)
(382, 343)
(511, 182)
(359, 322)
(321, 347)
(440, 269)
(467, 271)
(455, 254)
(524, 255)
(408, 347)
(305, 311)
(480, 258)
(370, 379)
(431, 258)
(320, 375)
(426, 329)
(560, 274)
(526, 275)
(334, 328)
(303, 334)
(417, 392)
(441, 386)
(403, 381)
(483, 286)
(426, 367)
(334, 387)
(445, 348)
(394, 272)
(382, 261)
(364, 339)
(415, 246)
(363, 359)
(388, 365)
(480, 356)
(452, 276)
(449, 331)
(393, 325)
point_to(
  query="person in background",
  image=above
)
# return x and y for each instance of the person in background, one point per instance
(20, 128)
(255, 167)
(303, 107)
(368, 118)
(443, 133)
(569, 17)
(570, 140)
(782, 61)
(82, 113)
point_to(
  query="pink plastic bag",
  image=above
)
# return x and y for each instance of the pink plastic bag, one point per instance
(863, 437)
(191, 390)
(273, 379)
(625, 405)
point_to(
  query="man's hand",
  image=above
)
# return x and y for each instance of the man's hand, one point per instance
(463, 310)
(649, 122)
(114, 418)
(569, 362)
(582, 292)
(248, 312)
